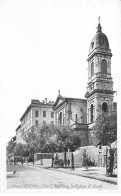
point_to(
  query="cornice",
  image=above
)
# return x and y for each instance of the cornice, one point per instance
(99, 91)
(36, 105)
(98, 52)
(67, 99)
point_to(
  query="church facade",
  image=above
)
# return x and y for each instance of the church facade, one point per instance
(70, 111)
(81, 114)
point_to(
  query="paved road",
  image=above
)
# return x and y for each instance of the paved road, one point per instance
(34, 178)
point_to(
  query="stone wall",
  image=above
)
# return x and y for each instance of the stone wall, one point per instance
(97, 156)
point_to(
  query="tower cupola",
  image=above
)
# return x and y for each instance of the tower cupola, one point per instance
(99, 42)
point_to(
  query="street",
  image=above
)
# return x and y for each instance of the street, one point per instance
(31, 177)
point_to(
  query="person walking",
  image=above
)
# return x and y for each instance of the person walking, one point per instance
(68, 162)
(86, 162)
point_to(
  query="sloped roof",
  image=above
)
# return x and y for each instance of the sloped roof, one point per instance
(36, 103)
(61, 99)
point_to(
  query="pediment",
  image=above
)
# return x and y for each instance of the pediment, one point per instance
(59, 100)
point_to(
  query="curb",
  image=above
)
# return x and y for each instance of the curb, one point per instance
(87, 176)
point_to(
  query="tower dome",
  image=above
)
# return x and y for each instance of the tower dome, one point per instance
(100, 41)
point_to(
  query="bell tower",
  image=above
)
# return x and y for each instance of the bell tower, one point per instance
(100, 85)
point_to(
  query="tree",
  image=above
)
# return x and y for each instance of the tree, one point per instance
(51, 138)
(31, 140)
(64, 138)
(20, 150)
(105, 133)
(105, 129)
(10, 147)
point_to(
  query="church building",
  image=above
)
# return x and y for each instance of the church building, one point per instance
(81, 114)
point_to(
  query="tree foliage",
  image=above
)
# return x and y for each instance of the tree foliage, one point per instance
(105, 130)
(10, 147)
(17, 149)
(21, 150)
(50, 138)
(68, 138)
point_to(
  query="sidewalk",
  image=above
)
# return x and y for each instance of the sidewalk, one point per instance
(98, 173)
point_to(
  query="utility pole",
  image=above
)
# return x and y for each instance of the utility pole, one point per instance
(72, 161)
(52, 159)
(41, 160)
(33, 157)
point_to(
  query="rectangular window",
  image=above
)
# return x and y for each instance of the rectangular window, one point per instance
(52, 114)
(36, 122)
(36, 113)
(44, 113)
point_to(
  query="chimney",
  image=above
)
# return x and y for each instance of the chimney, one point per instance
(58, 92)
(45, 100)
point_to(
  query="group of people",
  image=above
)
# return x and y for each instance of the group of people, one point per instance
(61, 162)
(67, 163)
(16, 159)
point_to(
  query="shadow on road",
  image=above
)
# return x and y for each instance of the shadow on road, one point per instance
(11, 176)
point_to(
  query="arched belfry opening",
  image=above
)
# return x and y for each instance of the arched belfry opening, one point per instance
(104, 107)
(104, 66)
(92, 69)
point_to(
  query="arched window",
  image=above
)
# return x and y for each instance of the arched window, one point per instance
(60, 118)
(92, 69)
(104, 66)
(92, 113)
(104, 107)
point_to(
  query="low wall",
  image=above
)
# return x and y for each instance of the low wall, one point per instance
(38, 156)
(96, 156)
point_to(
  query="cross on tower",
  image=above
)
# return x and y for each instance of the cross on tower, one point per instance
(99, 19)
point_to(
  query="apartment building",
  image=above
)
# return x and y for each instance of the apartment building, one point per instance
(36, 113)
(19, 135)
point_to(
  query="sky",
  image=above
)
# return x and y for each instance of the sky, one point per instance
(44, 46)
